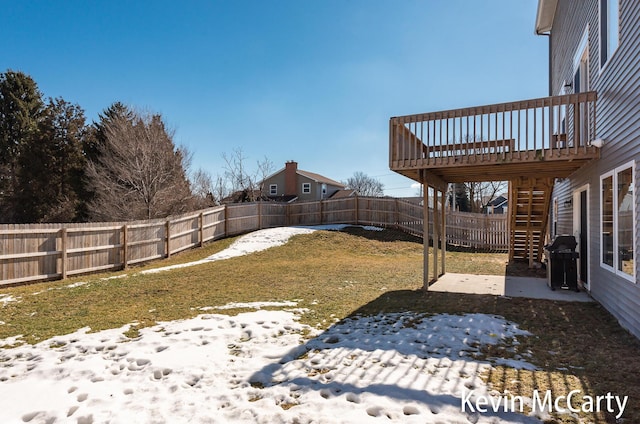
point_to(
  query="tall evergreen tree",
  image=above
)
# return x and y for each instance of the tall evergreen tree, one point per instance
(21, 107)
(97, 135)
(51, 166)
(461, 197)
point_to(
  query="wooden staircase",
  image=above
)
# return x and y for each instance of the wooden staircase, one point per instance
(529, 201)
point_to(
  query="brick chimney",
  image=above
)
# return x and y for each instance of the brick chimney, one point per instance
(290, 178)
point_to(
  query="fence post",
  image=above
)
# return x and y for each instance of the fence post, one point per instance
(226, 220)
(259, 215)
(321, 212)
(63, 247)
(167, 231)
(357, 211)
(201, 224)
(287, 214)
(125, 247)
(396, 214)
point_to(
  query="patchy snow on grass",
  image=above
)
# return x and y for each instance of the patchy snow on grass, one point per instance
(340, 227)
(257, 241)
(256, 367)
(252, 305)
(5, 299)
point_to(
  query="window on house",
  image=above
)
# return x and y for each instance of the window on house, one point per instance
(625, 221)
(306, 188)
(581, 85)
(273, 189)
(617, 220)
(607, 220)
(609, 29)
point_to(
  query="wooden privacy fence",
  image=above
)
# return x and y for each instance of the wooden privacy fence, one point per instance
(33, 252)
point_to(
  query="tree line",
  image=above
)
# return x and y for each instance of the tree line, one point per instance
(56, 167)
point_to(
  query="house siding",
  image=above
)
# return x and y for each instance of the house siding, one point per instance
(316, 187)
(618, 123)
(279, 180)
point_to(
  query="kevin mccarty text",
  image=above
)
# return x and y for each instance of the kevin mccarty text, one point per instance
(574, 401)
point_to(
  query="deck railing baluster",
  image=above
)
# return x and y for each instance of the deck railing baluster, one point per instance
(548, 128)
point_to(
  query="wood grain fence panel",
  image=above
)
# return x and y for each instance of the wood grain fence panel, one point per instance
(214, 223)
(478, 231)
(339, 211)
(242, 218)
(184, 232)
(273, 215)
(377, 211)
(146, 241)
(305, 213)
(409, 217)
(92, 248)
(35, 251)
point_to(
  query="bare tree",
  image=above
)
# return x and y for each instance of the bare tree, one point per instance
(248, 184)
(202, 189)
(220, 189)
(365, 185)
(481, 194)
(139, 173)
(477, 194)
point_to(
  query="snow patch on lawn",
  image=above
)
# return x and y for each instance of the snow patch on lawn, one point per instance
(257, 241)
(258, 367)
(5, 299)
(251, 305)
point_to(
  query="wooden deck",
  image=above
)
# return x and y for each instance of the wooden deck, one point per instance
(529, 143)
(546, 137)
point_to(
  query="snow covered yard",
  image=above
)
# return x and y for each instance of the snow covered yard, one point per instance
(259, 367)
(263, 348)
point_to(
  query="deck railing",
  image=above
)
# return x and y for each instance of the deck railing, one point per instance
(541, 128)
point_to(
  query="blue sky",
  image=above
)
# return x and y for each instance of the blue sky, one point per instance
(314, 81)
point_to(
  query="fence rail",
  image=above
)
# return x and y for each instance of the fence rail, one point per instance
(33, 252)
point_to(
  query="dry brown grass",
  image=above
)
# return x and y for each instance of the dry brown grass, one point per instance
(335, 275)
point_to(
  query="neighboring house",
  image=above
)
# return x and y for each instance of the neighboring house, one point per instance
(293, 184)
(595, 46)
(574, 173)
(497, 206)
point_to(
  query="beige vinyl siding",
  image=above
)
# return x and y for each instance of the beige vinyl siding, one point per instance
(314, 194)
(278, 180)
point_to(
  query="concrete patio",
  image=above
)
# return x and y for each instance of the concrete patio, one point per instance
(500, 285)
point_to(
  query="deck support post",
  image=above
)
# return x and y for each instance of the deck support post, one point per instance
(443, 236)
(425, 235)
(437, 235)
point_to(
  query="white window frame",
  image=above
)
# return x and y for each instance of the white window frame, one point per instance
(602, 45)
(579, 59)
(273, 189)
(306, 188)
(614, 174)
(584, 256)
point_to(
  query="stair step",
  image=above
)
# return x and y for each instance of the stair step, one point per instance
(529, 216)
